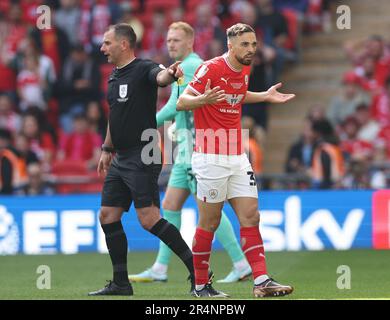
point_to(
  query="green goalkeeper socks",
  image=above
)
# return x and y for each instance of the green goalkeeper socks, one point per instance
(164, 253)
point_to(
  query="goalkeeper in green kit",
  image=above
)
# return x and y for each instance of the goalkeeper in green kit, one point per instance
(182, 183)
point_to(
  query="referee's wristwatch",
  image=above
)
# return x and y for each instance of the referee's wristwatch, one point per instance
(107, 149)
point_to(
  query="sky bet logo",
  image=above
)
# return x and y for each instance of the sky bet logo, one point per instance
(288, 229)
(289, 221)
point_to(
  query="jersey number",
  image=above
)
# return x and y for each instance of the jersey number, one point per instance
(252, 179)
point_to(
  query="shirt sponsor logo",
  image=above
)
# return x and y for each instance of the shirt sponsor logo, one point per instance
(234, 99)
(236, 86)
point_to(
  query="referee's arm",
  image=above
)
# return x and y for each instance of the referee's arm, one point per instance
(106, 156)
(107, 140)
(169, 75)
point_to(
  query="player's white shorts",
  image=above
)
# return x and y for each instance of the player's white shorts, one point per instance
(221, 177)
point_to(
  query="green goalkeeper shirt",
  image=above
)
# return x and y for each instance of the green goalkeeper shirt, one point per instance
(184, 120)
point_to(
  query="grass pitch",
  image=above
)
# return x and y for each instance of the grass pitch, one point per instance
(313, 275)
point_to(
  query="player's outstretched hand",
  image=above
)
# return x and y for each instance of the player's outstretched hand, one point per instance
(276, 97)
(213, 95)
(104, 163)
(175, 70)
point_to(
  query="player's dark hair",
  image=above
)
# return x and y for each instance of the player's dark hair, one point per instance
(124, 30)
(238, 29)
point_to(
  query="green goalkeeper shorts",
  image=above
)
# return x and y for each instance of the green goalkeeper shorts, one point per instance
(182, 178)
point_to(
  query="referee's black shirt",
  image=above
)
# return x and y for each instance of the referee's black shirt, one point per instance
(132, 96)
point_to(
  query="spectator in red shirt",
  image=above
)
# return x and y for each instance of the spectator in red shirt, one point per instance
(352, 147)
(29, 9)
(382, 145)
(376, 49)
(380, 108)
(153, 42)
(365, 76)
(16, 29)
(82, 144)
(12, 31)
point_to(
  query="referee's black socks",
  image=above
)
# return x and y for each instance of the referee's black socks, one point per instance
(171, 236)
(117, 247)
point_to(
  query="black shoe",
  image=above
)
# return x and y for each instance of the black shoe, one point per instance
(209, 292)
(270, 288)
(112, 289)
(191, 277)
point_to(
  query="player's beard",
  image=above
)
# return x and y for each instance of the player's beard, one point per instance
(245, 61)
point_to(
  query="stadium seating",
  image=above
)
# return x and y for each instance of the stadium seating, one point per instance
(69, 167)
(73, 177)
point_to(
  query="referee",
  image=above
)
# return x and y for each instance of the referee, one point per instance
(132, 95)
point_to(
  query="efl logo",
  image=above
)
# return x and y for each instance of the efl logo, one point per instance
(381, 219)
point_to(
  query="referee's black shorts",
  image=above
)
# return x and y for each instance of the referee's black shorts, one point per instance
(129, 179)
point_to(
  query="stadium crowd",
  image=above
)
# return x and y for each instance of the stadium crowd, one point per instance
(53, 112)
(355, 127)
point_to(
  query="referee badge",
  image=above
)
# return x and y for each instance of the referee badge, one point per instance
(123, 90)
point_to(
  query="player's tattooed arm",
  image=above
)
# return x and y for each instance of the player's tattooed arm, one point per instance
(272, 95)
(189, 100)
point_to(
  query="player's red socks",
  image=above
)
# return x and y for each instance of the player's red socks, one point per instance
(201, 249)
(252, 245)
